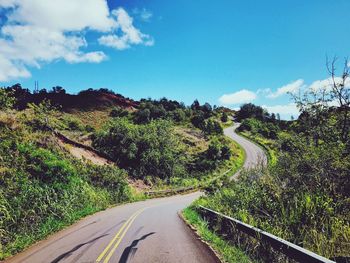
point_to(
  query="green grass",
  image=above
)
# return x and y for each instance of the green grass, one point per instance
(224, 249)
(266, 144)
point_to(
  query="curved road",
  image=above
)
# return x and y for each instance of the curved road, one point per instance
(146, 231)
(254, 154)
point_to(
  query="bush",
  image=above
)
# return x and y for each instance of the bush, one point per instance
(212, 128)
(198, 120)
(266, 129)
(6, 99)
(144, 150)
(118, 112)
(224, 117)
(303, 198)
(41, 190)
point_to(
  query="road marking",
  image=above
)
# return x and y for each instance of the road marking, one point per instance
(125, 225)
(121, 238)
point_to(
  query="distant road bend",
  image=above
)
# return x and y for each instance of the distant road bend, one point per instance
(146, 231)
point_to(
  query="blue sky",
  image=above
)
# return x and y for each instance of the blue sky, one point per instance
(224, 52)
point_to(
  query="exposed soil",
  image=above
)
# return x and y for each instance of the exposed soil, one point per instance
(82, 154)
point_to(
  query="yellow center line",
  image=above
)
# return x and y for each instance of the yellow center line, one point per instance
(100, 257)
(121, 238)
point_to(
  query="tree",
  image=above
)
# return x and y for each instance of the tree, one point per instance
(6, 99)
(224, 117)
(207, 109)
(195, 105)
(250, 110)
(198, 120)
(179, 115)
(273, 117)
(143, 116)
(212, 127)
(325, 110)
(226, 152)
(278, 117)
(58, 90)
(118, 112)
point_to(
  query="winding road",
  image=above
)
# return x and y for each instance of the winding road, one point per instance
(146, 231)
(254, 154)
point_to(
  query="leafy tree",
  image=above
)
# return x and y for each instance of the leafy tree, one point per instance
(207, 109)
(143, 116)
(118, 112)
(6, 99)
(195, 105)
(20, 94)
(144, 150)
(179, 115)
(58, 90)
(212, 127)
(198, 120)
(278, 117)
(250, 110)
(224, 117)
(226, 152)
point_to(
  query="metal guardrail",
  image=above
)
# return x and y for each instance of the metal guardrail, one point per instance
(289, 249)
(171, 191)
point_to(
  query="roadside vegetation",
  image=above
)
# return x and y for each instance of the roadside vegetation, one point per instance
(43, 188)
(225, 251)
(166, 143)
(303, 196)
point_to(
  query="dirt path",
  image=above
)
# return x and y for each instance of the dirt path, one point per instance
(82, 154)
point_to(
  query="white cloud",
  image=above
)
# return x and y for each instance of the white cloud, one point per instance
(285, 111)
(326, 84)
(36, 32)
(242, 96)
(10, 70)
(126, 34)
(144, 14)
(289, 88)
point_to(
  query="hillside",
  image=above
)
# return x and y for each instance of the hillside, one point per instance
(148, 145)
(302, 196)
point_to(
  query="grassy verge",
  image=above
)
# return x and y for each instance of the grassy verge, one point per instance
(224, 249)
(265, 144)
(222, 173)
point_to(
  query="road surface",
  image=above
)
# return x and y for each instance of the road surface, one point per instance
(141, 232)
(254, 154)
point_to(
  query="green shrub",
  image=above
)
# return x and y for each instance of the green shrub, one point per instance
(144, 150)
(43, 190)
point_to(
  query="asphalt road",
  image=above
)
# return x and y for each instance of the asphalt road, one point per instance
(146, 231)
(254, 154)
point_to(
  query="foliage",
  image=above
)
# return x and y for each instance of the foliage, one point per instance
(224, 117)
(266, 129)
(118, 112)
(145, 150)
(226, 252)
(212, 157)
(212, 127)
(250, 110)
(42, 189)
(6, 99)
(304, 197)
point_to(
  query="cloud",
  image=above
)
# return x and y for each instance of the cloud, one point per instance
(326, 84)
(34, 32)
(126, 34)
(289, 88)
(285, 111)
(239, 97)
(144, 14)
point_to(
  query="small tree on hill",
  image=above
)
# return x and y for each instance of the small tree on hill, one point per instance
(224, 117)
